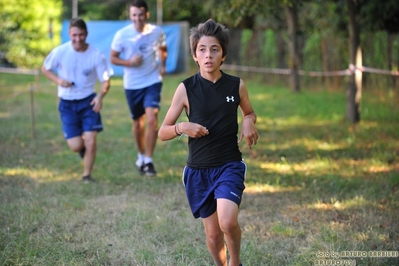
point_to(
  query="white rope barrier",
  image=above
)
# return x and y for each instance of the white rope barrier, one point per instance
(347, 72)
(23, 71)
(19, 71)
(325, 74)
(257, 69)
(374, 70)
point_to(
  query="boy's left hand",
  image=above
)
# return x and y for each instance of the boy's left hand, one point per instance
(249, 133)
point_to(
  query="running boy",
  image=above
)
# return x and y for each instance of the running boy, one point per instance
(215, 173)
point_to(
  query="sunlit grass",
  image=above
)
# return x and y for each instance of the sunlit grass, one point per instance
(355, 202)
(38, 175)
(266, 188)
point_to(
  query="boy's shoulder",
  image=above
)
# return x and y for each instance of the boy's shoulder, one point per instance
(190, 81)
(231, 77)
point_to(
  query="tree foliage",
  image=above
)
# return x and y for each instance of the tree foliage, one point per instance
(25, 31)
(96, 9)
(182, 10)
(239, 13)
(24, 34)
(376, 16)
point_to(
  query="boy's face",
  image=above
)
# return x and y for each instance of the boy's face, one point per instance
(78, 38)
(209, 54)
(139, 17)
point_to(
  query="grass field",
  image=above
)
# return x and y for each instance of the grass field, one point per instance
(317, 187)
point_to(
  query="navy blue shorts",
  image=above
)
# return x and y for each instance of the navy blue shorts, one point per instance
(204, 186)
(140, 99)
(77, 116)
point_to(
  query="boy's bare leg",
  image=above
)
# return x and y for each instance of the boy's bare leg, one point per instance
(228, 220)
(215, 240)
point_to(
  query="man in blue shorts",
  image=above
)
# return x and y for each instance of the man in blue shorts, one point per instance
(78, 66)
(215, 173)
(143, 46)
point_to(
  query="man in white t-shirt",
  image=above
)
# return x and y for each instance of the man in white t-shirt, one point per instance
(141, 49)
(78, 66)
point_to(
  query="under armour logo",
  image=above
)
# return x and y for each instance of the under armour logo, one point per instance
(229, 99)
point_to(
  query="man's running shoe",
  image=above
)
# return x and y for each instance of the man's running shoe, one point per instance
(82, 152)
(87, 179)
(149, 169)
(140, 167)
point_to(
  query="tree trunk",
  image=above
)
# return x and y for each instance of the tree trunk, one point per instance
(397, 77)
(234, 47)
(292, 24)
(253, 53)
(281, 50)
(390, 55)
(353, 95)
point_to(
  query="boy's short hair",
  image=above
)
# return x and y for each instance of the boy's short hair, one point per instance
(212, 29)
(78, 23)
(139, 4)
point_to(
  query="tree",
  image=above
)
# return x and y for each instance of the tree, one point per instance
(377, 17)
(97, 9)
(326, 31)
(292, 25)
(194, 12)
(354, 90)
(29, 30)
(372, 16)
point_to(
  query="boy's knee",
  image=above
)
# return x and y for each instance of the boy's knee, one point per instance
(229, 226)
(215, 236)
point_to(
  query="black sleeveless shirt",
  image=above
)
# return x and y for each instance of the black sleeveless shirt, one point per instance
(214, 106)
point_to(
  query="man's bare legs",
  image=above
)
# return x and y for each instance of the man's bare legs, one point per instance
(138, 133)
(89, 141)
(152, 130)
(223, 226)
(145, 133)
(146, 137)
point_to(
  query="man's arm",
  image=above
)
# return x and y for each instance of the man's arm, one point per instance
(163, 54)
(54, 78)
(105, 87)
(115, 59)
(97, 101)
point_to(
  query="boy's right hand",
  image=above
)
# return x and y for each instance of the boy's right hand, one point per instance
(193, 130)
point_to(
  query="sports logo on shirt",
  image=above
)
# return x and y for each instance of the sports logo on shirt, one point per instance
(86, 72)
(143, 47)
(229, 99)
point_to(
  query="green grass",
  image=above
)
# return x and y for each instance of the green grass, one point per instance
(315, 184)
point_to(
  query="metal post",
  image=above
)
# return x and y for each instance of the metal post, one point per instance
(74, 8)
(159, 12)
(32, 112)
